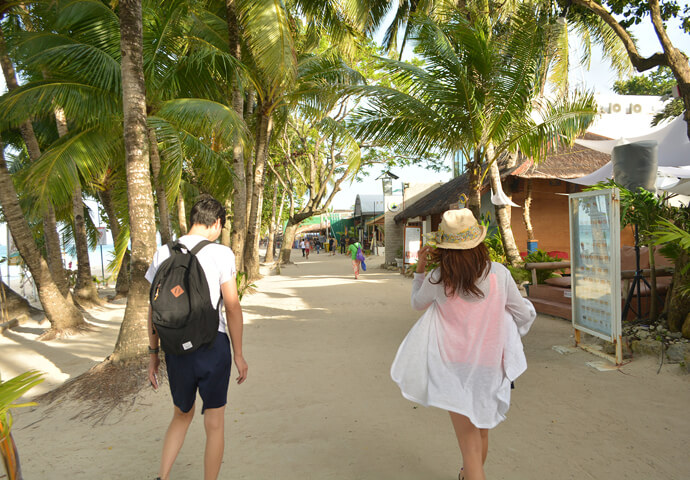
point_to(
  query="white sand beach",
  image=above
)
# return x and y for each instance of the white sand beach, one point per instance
(319, 402)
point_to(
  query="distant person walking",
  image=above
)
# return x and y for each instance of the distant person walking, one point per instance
(465, 350)
(352, 251)
(301, 245)
(307, 247)
(343, 244)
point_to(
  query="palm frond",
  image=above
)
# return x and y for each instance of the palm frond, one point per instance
(204, 118)
(180, 150)
(561, 62)
(165, 28)
(397, 119)
(562, 120)
(594, 30)
(80, 154)
(269, 38)
(343, 137)
(90, 22)
(77, 62)
(83, 104)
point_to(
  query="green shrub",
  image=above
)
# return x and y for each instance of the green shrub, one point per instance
(495, 245)
(538, 256)
(243, 284)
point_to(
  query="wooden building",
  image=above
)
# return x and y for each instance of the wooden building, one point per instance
(546, 182)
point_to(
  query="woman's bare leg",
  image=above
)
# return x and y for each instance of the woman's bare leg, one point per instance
(471, 442)
(485, 443)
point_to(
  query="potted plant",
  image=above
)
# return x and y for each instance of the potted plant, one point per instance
(399, 257)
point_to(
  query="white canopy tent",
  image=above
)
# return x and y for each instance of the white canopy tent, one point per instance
(674, 157)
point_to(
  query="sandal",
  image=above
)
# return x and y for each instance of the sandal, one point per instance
(460, 475)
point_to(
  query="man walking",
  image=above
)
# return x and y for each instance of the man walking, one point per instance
(207, 368)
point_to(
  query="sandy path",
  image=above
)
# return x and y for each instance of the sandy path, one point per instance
(319, 402)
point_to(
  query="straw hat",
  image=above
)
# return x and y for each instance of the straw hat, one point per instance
(458, 230)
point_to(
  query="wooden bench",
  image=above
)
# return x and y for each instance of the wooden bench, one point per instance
(554, 296)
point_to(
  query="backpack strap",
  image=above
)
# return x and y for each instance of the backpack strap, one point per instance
(194, 251)
(199, 246)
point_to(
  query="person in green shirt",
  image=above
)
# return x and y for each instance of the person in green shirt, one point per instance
(352, 251)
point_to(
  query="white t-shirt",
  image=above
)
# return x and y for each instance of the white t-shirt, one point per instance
(217, 261)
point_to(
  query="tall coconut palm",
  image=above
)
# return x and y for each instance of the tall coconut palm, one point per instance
(268, 31)
(477, 94)
(53, 247)
(239, 198)
(130, 342)
(85, 79)
(61, 312)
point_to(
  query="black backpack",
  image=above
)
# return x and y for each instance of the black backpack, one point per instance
(182, 312)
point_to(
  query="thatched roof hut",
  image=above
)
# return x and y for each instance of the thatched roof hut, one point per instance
(564, 163)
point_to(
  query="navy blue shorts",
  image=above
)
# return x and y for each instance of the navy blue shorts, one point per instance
(206, 369)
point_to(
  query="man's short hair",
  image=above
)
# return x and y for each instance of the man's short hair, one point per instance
(206, 211)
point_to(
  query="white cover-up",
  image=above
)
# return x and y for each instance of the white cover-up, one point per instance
(463, 352)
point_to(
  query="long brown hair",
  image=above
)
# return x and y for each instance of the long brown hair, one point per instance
(462, 269)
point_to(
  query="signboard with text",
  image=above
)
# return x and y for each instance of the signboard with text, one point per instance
(595, 263)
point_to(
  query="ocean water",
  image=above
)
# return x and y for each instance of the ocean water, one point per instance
(18, 278)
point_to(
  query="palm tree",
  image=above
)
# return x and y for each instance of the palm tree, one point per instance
(268, 30)
(130, 341)
(239, 198)
(61, 312)
(477, 95)
(53, 250)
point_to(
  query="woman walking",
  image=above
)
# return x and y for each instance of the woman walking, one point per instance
(465, 350)
(352, 251)
(307, 246)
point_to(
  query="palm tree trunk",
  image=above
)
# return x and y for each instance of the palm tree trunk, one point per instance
(251, 249)
(181, 214)
(132, 341)
(503, 219)
(52, 238)
(61, 312)
(272, 228)
(226, 234)
(679, 305)
(526, 212)
(653, 301)
(122, 282)
(12, 304)
(249, 111)
(474, 198)
(54, 251)
(288, 240)
(277, 223)
(85, 292)
(239, 195)
(288, 233)
(161, 195)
